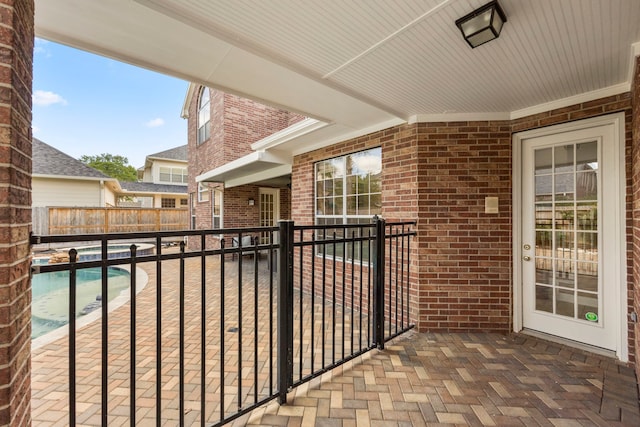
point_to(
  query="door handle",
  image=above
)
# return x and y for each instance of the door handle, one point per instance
(526, 258)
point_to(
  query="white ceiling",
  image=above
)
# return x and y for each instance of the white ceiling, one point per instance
(363, 65)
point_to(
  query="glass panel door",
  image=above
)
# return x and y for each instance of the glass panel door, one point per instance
(566, 231)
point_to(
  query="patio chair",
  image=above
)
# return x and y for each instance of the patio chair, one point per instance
(247, 241)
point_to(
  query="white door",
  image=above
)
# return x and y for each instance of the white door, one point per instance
(571, 260)
(269, 210)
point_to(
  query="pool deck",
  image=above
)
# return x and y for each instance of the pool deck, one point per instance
(419, 379)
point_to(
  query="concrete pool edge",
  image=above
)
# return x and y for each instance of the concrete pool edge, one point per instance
(142, 279)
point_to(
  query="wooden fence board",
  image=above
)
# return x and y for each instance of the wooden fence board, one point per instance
(65, 220)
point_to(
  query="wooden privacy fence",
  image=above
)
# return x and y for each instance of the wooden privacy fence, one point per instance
(65, 220)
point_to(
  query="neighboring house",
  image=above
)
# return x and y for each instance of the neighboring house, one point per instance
(163, 181)
(61, 180)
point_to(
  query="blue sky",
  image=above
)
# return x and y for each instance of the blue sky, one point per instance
(88, 104)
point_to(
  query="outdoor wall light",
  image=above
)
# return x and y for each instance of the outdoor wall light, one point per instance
(252, 202)
(483, 24)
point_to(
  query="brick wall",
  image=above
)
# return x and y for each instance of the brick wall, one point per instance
(236, 123)
(16, 39)
(465, 254)
(440, 174)
(634, 242)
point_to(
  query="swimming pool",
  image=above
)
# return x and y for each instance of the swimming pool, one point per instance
(50, 295)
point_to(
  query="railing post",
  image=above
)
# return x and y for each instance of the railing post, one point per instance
(285, 310)
(378, 283)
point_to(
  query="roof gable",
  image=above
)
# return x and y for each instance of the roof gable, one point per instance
(177, 153)
(48, 160)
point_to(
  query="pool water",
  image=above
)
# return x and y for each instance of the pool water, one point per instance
(50, 295)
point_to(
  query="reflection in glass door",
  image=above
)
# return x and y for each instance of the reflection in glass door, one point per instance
(566, 231)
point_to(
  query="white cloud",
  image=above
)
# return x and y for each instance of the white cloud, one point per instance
(35, 129)
(45, 98)
(154, 123)
(40, 47)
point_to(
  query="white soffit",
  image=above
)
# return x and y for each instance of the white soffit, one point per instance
(362, 64)
(261, 164)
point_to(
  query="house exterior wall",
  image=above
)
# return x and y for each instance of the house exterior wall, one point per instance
(154, 176)
(16, 39)
(236, 123)
(439, 174)
(66, 192)
(634, 242)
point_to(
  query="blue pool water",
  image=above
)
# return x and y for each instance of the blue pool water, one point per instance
(50, 295)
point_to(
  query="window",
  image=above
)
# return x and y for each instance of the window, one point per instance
(173, 175)
(204, 115)
(349, 191)
(168, 203)
(217, 209)
(184, 202)
(203, 193)
(192, 197)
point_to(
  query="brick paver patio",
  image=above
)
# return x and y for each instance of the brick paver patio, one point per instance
(418, 380)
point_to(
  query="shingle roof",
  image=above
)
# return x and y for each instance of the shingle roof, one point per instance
(51, 161)
(150, 187)
(177, 153)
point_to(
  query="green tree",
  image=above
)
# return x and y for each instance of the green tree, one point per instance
(115, 166)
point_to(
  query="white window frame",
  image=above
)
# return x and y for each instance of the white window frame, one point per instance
(173, 173)
(218, 199)
(341, 193)
(203, 193)
(204, 116)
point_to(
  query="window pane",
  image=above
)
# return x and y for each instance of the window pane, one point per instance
(563, 159)
(165, 174)
(543, 161)
(363, 205)
(352, 184)
(564, 189)
(352, 203)
(376, 204)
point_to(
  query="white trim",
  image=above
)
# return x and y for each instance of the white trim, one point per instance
(457, 117)
(635, 52)
(618, 122)
(572, 100)
(294, 131)
(257, 156)
(306, 148)
(191, 90)
(264, 175)
(76, 178)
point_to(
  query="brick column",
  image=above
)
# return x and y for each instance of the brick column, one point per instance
(16, 65)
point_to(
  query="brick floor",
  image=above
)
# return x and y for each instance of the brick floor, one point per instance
(418, 380)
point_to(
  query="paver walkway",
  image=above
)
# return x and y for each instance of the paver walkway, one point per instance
(464, 379)
(419, 379)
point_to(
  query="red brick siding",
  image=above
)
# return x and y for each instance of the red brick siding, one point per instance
(236, 123)
(399, 199)
(15, 219)
(237, 212)
(464, 254)
(440, 174)
(634, 242)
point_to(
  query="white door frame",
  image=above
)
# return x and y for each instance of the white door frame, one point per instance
(618, 122)
(276, 201)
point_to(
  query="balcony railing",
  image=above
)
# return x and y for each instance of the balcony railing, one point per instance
(221, 328)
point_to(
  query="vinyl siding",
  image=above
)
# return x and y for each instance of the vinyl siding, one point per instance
(65, 192)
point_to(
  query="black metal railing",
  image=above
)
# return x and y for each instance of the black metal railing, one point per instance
(230, 325)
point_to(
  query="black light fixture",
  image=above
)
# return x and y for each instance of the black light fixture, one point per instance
(483, 24)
